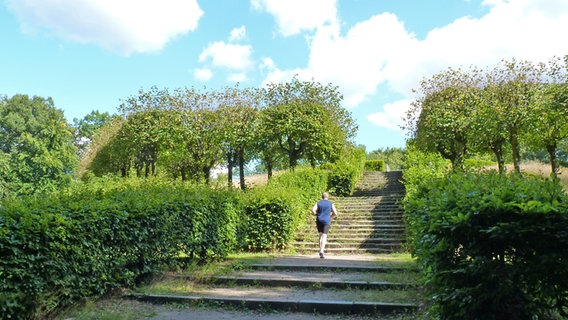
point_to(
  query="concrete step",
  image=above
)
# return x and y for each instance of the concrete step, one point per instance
(263, 301)
(339, 284)
(351, 247)
(281, 278)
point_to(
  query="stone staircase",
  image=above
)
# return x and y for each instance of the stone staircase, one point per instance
(356, 286)
(369, 221)
(358, 277)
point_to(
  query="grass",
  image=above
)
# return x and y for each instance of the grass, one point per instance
(539, 169)
(108, 309)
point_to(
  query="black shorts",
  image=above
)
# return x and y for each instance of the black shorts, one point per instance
(323, 228)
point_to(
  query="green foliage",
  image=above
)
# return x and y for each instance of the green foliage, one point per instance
(105, 235)
(420, 167)
(36, 146)
(477, 163)
(392, 157)
(307, 121)
(272, 214)
(514, 106)
(492, 246)
(375, 165)
(85, 129)
(343, 174)
(112, 232)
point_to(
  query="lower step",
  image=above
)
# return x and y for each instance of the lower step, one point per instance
(348, 250)
(308, 306)
(299, 282)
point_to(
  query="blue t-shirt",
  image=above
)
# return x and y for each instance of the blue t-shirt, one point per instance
(324, 211)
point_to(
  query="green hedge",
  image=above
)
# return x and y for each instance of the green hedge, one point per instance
(375, 165)
(272, 214)
(110, 233)
(62, 248)
(344, 174)
(492, 246)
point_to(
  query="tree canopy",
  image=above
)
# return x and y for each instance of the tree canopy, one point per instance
(514, 105)
(189, 132)
(36, 146)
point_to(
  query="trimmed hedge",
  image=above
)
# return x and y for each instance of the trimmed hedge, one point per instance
(63, 248)
(344, 174)
(375, 165)
(109, 234)
(272, 214)
(492, 246)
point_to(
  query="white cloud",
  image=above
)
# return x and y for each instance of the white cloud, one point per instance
(230, 56)
(123, 27)
(356, 62)
(233, 57)
(392, 115)
(295, 16)
(238, 34)
(203, 74)
(380, 52)
(237, 77)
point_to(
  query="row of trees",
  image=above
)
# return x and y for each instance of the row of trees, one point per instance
(188, 132)
(514, 105)
(185, 133)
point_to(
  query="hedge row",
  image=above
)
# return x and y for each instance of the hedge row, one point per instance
(375, 165)
(61, 248)
(346, 172)
(108, 234)
(272, 214)
(492, 246)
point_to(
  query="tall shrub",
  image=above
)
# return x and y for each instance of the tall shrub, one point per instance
(272, 214)
(97, 237)
(492, 246)
(344, 174)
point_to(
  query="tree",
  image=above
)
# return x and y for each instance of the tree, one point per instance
(36, 145)
(109, 152)
(549, 119)
(440, 119)
(267, 148)
(239, 110)
(198, 131)
(489, 123)
(85, 129)
(144, 129)
(308, 121)
(511, 91)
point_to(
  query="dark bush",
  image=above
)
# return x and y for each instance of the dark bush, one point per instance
(492, 246)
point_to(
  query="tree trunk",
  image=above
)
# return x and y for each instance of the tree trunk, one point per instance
(269, 166)
(230, 165)
(497, 149)
(514, 140)
(553, 160)
(207, 175)
(241, 161)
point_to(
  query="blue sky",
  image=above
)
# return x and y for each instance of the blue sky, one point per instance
(92, 54)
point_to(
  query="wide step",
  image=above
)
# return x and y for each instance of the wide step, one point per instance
(356, 284)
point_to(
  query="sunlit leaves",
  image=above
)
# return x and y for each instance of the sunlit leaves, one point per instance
(36, 144)
(515, 104)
